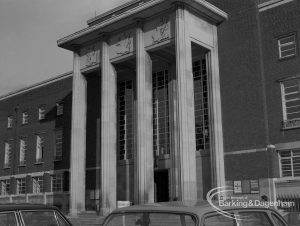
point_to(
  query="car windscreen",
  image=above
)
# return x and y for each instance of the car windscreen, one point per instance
(150, 219)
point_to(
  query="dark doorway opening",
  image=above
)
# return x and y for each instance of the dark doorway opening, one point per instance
(161, 181)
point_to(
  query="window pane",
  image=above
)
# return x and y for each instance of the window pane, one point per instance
(254, 219)
(151, 219)
(8, 219)
(38, 218)
(219, 220)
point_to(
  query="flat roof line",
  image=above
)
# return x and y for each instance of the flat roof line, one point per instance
(36, 85)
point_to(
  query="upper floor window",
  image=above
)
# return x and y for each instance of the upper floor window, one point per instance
(37, 184)
(21, 185)
(290, 90)
(287, 46)
(8, 155)
(25, 117)
(42, 111)
(59, 108)
(39, 148)
(58, 144)
(5, 187)
(23, 149)
(10, 121)
(290, 163)
(57, 182)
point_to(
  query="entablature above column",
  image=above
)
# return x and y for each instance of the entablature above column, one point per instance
(158, 17)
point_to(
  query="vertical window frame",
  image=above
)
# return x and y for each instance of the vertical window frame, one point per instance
(289, 123)
(41, 112)
(40, 148)
(23, 151)
(7, 154)
(59, 108)
(25, 117)
(58, 148)
(10, 121)
(282, 45)
(21, 186)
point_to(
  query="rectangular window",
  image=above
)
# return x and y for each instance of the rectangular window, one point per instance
(25, 117)
(160, 102)
(57, 183)
(59, 108)
(39, 148)
(290, 90)
(201, 105)
(58, 144)
(37, 184)
(21, 185)
(290, 163)
(5, 187)
(10, 121)
(287, 46)
(42, 112)
(23, 150)
(8, 155)
(126, 119)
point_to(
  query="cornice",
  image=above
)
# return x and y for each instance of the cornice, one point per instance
(202, 6)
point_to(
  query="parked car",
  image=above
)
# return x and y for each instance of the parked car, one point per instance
(31, 215)
(193, 214)
(293, 218)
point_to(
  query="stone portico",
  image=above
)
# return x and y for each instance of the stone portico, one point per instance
(146, 55)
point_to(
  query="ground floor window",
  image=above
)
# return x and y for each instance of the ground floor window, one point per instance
(201, 102)
(126, 119)
(57, 183)
(21, 185)
(37, 184)
(161, 127)
(290, 163)
(5, 187)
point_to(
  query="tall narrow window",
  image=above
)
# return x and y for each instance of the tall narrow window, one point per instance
(290, 163)
(126, 118)
(287, 46)
(201, 99)
(10, 121)
(25, 118)
(39, 148)
(291, 103)
(21, 185)
(37, 184)
(59, 108)
(5, 187)
(57, 182)
(8, 155)
(42, 111)
(23, 149)
(58, 144)
(161, 130)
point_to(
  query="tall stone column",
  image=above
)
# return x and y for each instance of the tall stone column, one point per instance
(186, 144)
(108, 132)
(78, 139)
(144, 174)
(217, 148)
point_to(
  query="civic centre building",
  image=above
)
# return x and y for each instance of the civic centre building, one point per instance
(167, 100)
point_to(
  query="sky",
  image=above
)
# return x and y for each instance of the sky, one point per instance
(29, 30)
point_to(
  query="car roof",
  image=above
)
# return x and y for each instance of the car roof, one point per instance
(196, 207)
(13, 207)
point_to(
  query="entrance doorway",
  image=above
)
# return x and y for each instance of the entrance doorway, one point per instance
(161, 182)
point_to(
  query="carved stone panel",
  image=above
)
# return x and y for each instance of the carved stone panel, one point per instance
(159, 30)
(122, 44)
(90, 55)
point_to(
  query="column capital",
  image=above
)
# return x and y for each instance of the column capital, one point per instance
(140, 22)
